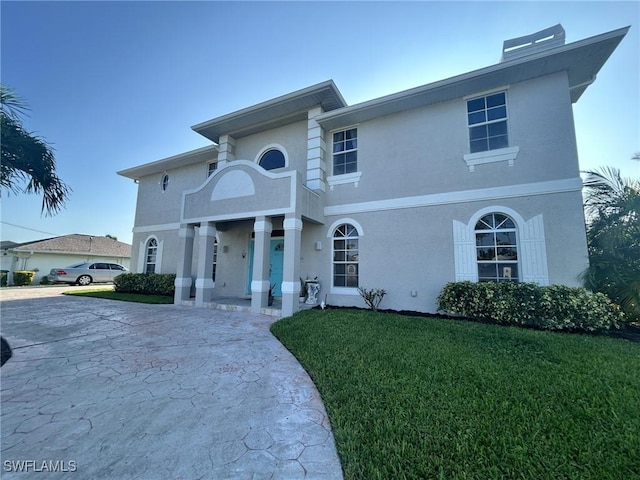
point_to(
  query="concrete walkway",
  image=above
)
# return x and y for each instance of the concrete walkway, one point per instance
(115, 390)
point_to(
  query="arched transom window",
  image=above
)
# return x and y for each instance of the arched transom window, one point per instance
(497, 249)
(272, 159)
(345, 256)
(151, 255)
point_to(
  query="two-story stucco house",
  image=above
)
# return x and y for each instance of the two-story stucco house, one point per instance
(474, 177)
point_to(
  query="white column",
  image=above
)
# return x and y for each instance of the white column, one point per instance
(226, 150)
(316, 166)
(204, 282)
(291, 266)
(261, 255)
(183, 273)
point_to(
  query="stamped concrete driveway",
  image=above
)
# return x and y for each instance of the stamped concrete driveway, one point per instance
(114, 390)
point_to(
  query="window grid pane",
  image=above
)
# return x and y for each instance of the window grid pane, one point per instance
(487, 120)
(496, 249)
(345, 256)
(345, 153)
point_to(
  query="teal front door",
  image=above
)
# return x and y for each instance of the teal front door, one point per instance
(276, 262)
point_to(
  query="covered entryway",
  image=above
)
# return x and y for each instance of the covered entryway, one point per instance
(276, 263)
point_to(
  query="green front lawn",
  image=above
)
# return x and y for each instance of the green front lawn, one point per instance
(427, 398)
(109, 294)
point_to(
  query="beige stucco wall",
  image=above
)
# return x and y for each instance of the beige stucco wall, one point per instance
(421, 151)
(406, 249)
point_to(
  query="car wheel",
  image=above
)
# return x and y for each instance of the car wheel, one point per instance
(84, 280)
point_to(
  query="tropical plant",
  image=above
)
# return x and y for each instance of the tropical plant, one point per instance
(27, 158)
(612, 207)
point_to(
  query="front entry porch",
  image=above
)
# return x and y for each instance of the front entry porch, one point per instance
(233, 197)
(220, 280)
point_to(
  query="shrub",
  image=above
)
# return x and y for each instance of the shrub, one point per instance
(145, 283)
(23, 278)
(45, 280)
(372, 297)
(3, 278)
(555, 307)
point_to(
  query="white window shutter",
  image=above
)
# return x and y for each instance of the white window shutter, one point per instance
(464, 252)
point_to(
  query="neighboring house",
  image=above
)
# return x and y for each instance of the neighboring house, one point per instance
(475, 177)
(43, 255)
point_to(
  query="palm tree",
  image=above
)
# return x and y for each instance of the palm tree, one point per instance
(612, 206)
(27, 158)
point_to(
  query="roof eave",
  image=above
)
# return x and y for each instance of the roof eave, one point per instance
(511, 71)
(181, 160)
(292, 106)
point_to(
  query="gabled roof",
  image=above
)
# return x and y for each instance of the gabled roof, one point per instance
(8, 244)
(273, 113)
(78, 244)
(581, 60)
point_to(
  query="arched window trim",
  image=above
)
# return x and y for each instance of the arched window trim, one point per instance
(496, 262)
(148, 255)
(344, 290)
(337, 223)
(531, 243)
(268, 148)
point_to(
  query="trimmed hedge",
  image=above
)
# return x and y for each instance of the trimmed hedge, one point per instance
(146, 283)
(555, 307)
(23, 278)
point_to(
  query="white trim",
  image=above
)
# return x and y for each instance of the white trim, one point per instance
(292, 224)
(461, 196)
(495, 209)
(344, 291)
(345, 178)
(207, 231)
(531, 244)
(508, 154)
(259, 286)
(340, 221)
(290, 174)
(290, 287)
(273, 146)
(204, 283)
(157, 228)
(183, 282)
(186, 232)
(484, 93)
(265, 226)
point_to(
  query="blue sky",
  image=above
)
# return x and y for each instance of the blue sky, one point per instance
(112, 85)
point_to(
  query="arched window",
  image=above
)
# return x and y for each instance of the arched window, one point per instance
(497, 248)
(151, 255)
(165, 182)
(272, 159)
(345, 256)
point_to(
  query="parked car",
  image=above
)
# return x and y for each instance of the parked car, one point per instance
(86, 273)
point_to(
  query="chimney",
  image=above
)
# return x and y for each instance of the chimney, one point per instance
(533, 43)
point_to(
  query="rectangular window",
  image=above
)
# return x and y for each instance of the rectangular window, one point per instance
(345, 151)
(487, 119)
(211, 167)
